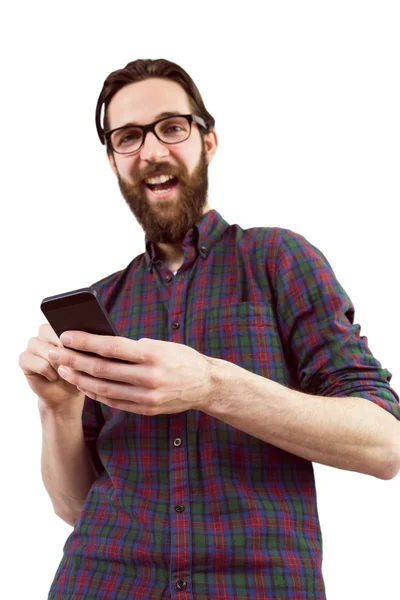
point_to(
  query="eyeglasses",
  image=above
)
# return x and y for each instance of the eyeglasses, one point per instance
(169, 130)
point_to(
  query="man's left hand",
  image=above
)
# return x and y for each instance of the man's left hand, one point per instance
(156, 377)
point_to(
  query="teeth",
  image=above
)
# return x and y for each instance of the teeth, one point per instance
(160, 192)
(160, 179)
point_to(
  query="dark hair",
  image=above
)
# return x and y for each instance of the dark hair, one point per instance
(140, 70)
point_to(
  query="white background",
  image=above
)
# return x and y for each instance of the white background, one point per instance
(306, 101)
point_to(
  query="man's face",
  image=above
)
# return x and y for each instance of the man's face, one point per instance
(165, 218)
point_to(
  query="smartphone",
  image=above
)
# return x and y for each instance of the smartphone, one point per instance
(80, 310)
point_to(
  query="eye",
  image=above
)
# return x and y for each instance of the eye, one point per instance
(126, 137)
(129, 137)
(174, 128)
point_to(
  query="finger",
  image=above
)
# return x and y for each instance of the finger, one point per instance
(47, 334)
(36, 360)
(40, 348)
(109, 346)
(103, 368)
(36, 365)
(127, 405)
(113, 390)
(131, 407)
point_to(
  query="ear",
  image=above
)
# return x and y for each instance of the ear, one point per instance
(111, 160)
(211, 145)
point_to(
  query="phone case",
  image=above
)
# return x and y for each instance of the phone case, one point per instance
(80, 310)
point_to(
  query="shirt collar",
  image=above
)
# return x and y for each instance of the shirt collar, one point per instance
(204, 234)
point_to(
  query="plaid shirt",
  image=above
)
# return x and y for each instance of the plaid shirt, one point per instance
(186, 506)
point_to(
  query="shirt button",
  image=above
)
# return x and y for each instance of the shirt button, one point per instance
(179, 508)
(168, 279)
(175, 325)
(181, 584)
(177, 442)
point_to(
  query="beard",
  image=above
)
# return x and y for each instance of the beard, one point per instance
(168, 220)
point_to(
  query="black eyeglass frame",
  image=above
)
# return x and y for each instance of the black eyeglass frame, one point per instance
(151, 127)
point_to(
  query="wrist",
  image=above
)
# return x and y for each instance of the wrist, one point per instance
(224, 377)
(66, 412)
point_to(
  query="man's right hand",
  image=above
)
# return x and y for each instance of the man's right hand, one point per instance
(42, 375)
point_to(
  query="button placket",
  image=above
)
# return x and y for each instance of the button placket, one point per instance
(181, 537)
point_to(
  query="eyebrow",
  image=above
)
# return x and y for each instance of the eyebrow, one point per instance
(159, 116)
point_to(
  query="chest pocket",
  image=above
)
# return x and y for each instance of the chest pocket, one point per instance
(244, 333)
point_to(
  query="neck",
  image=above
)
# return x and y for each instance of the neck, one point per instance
(172, 254)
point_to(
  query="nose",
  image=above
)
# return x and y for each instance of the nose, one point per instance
(152, 149)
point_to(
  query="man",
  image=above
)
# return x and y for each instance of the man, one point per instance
(186, 471)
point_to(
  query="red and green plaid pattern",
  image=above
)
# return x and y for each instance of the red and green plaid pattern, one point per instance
(186, 506)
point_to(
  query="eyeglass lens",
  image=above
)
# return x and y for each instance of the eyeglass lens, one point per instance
(171, 131)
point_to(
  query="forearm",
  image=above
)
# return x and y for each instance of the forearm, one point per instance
(347, 433)
(67, 468)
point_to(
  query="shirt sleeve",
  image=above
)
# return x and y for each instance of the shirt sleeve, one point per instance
(92, 423)
(323, 346)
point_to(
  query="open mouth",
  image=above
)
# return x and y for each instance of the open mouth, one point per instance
(162, 189)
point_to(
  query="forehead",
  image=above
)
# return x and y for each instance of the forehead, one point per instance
(143, 101)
